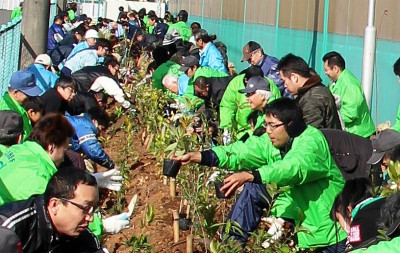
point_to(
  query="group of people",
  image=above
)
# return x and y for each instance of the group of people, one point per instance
(280, 124)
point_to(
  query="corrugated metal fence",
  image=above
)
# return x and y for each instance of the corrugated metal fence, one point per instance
(10, 38)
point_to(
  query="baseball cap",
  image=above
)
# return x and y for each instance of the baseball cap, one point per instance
(91, 34)
(383, 142)
(25, 82)
(43, 59)
(171, 37)
(255, 83)
(250, 47)
(10, 123)
(188, 62)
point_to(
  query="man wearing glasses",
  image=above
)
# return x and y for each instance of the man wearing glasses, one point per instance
(56, 221)
(291, 155)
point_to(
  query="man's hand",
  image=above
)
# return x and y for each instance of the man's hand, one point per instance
(192, 157)
(111, 179)
(236, 180)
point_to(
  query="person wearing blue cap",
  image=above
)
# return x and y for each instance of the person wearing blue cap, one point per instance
(21, 86)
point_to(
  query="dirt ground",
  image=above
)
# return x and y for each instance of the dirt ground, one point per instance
(146, 181)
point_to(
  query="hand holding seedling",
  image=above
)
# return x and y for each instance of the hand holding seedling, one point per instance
(191, 157)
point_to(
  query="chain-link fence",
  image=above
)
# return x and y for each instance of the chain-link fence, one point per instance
(10, 38)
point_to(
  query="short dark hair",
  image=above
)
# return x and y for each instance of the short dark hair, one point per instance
(285, 109)
(195, 25)
(204, 36)
(65, 82)
(65, 181)
(53, 128)
(396, 67)
(390, 213)
(291, 63)
(354, 191)
(101, 42)
(334, 59)
(201, 82)
(152, 17)
(183, 15)
(151, 13)
(110, 60)
(100, 116)
(252, 71)
(35, 104)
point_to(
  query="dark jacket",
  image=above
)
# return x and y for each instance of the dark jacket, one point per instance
(350, 152)
(318, 104)
(85, 77)
(29, 220)
(53, 102)
(217, 87)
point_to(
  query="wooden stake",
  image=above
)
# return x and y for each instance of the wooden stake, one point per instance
(180, 206)
(187, 211)
(165, 180)
(175, 214)
(172, 187)
(189, 244)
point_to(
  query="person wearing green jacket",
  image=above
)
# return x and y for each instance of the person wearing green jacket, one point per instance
(22, 85)
(297, 156)
(11, 129)
(354, 110)
(17, 12)
(192, 69)
(168, 67)
(234, 107)
(184, 30)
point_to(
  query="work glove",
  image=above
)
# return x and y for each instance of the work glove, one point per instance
(116, 223)
(111, 179)
(126, 104)
(276, 229)
(212, 177)
(226, 137)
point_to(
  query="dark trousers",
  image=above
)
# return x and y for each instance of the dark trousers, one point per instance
(65, 71)
(247, 211)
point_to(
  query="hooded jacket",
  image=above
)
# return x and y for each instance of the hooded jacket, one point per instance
(211, 57)
(25, 169)
(318, 104)
(184, 30)
(354, 110)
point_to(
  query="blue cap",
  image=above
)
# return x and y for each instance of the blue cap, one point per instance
(25, 82)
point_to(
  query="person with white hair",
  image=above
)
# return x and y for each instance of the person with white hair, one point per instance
(42, 70)
(171, 83)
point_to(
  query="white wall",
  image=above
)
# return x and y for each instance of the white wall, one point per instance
(9, 4)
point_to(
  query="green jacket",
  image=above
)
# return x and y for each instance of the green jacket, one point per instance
(234, 108)
(2, 149)
(307, 168)
(396, 126)
(168, 67)
(71, 15)
(8, 103)
(384, 246)
(16, 12)
(354, 110)
(184, 30)
(25, 169)
(201, 71)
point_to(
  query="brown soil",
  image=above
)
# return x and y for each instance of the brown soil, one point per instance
(146, 181)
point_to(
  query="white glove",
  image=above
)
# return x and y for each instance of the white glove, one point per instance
(111, 179)
(116, 223)
(126, 104)
(212, 177)
(276, 230)
(226, 137)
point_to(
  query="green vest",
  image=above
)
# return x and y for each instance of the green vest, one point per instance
(8, 103)
(184, 30)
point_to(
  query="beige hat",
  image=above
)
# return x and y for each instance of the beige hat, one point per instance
(91, 33)
(43, 59)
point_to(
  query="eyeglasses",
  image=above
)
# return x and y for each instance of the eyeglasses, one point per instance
(272, 127)
(85, 209)
(72, 90)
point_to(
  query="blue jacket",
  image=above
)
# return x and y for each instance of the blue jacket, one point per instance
(44, 79)
(269, 67)
(51, 41)
(85, 140)
(211, 57)
(160, 30)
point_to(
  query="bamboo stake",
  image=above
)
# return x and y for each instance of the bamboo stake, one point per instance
(165, 180)
(172, 187)
(187, 211)
(175, 214)
(189, 244)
